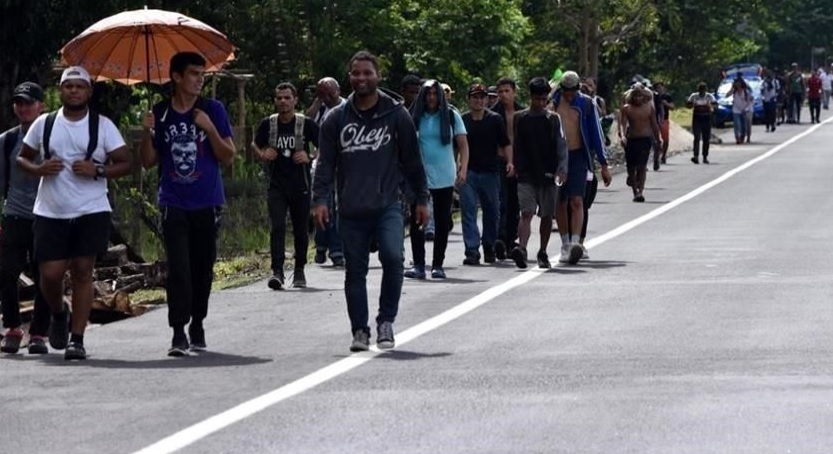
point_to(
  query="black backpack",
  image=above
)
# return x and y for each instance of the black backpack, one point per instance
(93, 133)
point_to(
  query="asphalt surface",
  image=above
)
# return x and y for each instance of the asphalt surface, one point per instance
(705, 328)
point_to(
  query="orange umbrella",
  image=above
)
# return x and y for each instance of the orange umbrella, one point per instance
(136, 46)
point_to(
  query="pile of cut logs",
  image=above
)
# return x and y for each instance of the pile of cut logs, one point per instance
(115, 278)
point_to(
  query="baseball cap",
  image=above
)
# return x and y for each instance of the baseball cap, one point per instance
(75, 73)
(447, 89)
(492, 90)
(477, 89)
(570, 81)
(28, 91)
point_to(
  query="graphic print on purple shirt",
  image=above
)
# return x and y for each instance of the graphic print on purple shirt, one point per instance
(189, 173)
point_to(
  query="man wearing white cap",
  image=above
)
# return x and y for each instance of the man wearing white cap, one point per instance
(73, 151)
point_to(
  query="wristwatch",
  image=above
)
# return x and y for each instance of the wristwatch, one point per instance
(99, 171)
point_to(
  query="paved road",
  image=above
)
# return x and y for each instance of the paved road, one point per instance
(700, 325)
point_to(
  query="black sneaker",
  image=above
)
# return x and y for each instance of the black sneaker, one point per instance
(11, 341)
(361, 341)
(37, 345)
(656, 165)
(705, 160)
(384, 336)
(543, 260)
(196, 336)
(695, 160)
(75, 351)
(59, 331)
(320, 256)
(500, 250)
(299, 280)
(179, 347)
(519, 256)
(488, 254)
(276, 281)
(337, 261)
(472, 260)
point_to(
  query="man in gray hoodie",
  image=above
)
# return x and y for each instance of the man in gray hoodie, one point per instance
(367, 147)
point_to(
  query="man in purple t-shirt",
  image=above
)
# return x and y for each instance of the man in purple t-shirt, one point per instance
(190, 138)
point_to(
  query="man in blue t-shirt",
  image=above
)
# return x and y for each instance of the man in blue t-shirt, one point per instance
(190, 138)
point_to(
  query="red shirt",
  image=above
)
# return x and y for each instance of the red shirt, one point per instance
(814, 87)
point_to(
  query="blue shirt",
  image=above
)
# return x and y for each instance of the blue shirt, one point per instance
(189, 173)
(438, 158)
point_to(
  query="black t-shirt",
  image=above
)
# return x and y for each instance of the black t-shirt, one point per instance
(535, 148)
(282, 173)
(484, 137)
(665, 112)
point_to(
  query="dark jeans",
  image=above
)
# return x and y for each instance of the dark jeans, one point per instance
(17, 255)
(385, 227)
(815, 108)
(442, 199)
(796, 100)
(769, 113)
(701, 127)
(190, 238)
(298, 206)
(329, 239)
(483, 187)
(510, 210)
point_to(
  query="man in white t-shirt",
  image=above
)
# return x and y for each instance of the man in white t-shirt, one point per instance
(826, 86)
(72, 213)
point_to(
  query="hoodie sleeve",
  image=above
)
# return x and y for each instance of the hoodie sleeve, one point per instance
(594, 132)
(409, 158)
(324, 177)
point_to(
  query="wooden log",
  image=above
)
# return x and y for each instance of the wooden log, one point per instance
(115, 256)
(107, 273)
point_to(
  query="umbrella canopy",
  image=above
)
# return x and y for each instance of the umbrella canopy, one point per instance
(137, 46)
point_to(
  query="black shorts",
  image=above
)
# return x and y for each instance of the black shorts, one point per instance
(61, 239)
(637, 151)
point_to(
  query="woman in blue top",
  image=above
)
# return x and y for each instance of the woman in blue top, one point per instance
(437, 125)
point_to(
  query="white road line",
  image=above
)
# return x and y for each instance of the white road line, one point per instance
(220, 421)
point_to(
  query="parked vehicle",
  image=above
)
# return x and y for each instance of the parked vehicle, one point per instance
(751, 73)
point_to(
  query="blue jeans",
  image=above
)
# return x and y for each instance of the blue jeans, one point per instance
(386, 227)
(485, 188)
(329, 239)
(739, 124)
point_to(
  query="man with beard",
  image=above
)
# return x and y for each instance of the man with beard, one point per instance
(328, 97)
(283, 142)
(16, 238)
(81, 150)
(369, 145)
(190, 193)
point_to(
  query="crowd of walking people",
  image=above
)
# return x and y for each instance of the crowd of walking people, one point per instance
(367, 167)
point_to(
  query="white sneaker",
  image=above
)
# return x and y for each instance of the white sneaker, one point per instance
(585, 255)
(564, 257)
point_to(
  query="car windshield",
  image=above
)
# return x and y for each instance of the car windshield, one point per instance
(753, 82)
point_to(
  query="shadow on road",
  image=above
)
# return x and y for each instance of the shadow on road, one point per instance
(404, 355)
(197, 360)
(603, 264)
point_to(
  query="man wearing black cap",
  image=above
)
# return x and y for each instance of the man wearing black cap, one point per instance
(488, 141)
(16, 240)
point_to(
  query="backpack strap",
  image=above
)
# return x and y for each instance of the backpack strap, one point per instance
(8, 147)
(273, 130)
(299, 131)
(47, 133)
(93, 132)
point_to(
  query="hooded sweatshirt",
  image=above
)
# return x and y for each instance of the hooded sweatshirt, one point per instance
(368, 158)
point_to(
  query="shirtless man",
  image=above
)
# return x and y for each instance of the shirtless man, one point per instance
(638, 131)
